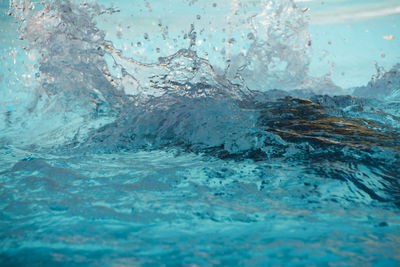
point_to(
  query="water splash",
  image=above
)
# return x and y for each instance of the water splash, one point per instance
(181, 136)
(183, 101)
(72, 67)
(385, 86)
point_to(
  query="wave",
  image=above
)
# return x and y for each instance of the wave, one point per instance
(257, 103)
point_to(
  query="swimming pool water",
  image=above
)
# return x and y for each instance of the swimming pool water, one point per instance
(199, 133)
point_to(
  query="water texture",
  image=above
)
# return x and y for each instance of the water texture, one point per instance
(190, 133)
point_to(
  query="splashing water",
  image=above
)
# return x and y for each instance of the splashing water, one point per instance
(199, 143)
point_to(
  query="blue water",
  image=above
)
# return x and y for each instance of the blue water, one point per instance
(199, 133)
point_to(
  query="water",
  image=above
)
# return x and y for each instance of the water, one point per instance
(199, 133)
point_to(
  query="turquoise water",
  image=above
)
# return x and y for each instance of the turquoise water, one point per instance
(198, 133)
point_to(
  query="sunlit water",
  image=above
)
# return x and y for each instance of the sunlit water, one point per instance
(199, 133)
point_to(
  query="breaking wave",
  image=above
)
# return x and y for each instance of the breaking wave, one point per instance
(249, 98)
